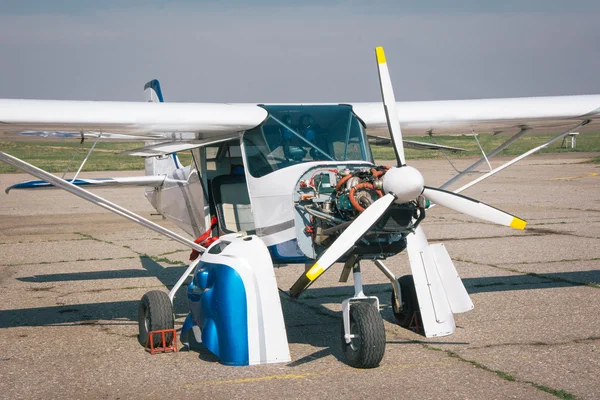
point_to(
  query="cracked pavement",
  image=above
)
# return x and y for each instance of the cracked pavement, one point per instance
(71, 276)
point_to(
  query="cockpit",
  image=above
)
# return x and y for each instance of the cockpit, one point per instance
(294, 134)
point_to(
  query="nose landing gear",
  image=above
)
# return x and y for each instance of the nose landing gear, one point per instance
(363, 332)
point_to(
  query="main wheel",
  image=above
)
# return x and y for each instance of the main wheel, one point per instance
(367, 345)
(410, 302)
(155, 313)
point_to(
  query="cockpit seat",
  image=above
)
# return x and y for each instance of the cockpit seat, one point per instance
(232, 203)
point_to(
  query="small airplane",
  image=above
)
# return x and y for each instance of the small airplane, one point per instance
(275, 184)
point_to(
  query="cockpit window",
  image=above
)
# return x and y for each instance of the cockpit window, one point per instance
(297, 134)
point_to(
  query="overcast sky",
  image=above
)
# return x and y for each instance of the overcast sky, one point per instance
(280, 51)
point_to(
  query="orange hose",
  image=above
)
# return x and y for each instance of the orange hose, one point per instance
(365, 185)
(342, 181)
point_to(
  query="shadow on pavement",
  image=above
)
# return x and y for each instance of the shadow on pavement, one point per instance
(308, 321)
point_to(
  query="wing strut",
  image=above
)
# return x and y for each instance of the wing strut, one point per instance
(491, 154)
(430, 133)
(84, 194)
(519, 158)
(73, 157)
(481, 148)
(86, 157)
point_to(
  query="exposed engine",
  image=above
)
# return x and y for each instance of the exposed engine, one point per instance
(330, 199)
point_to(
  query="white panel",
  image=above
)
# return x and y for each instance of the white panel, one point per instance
(267, 337)
(435, 311)
(457, 295)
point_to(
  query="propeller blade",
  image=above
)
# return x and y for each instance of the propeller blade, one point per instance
(389, 105)
(344, 242)
(472, 207)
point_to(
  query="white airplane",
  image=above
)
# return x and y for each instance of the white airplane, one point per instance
(282, 184)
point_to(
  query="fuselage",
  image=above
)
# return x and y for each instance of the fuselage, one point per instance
(282, 180)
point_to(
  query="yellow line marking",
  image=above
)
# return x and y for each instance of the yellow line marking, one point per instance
(518, 223)
(314, 272)
(260, 378)
(380, 55)
(335, 371)
(568, 178)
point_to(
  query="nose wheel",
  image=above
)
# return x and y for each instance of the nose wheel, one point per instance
(367, 336)
(363, 332)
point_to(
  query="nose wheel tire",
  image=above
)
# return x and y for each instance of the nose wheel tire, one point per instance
(410, 303)
(367, 345)
(155, 312)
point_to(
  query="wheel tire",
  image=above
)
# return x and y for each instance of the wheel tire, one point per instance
(155, 312)
(410, 302)
(367, 349)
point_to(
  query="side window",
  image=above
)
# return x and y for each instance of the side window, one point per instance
(223, 158)
(257, 153)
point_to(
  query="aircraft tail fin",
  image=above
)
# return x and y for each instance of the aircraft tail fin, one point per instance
(159, 165)
(152, 91)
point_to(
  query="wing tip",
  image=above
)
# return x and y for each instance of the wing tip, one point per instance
(518, 223)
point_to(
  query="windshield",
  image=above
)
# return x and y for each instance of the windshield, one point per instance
(298, 134)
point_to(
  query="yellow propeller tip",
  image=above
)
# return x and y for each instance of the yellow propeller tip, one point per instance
(518, 223)
(314, 272)
(380, 55)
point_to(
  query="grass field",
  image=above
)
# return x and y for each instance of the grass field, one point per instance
(55, 156)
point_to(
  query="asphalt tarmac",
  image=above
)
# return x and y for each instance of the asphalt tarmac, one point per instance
(71, 276)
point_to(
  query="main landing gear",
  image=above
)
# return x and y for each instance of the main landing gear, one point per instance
(155, 313)
(407, 316)
(363, 332)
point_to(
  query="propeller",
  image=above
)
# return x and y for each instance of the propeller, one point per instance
(401, 184)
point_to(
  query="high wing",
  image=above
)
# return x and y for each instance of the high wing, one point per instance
(168, 120)
(509, 115)
(199, 121)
